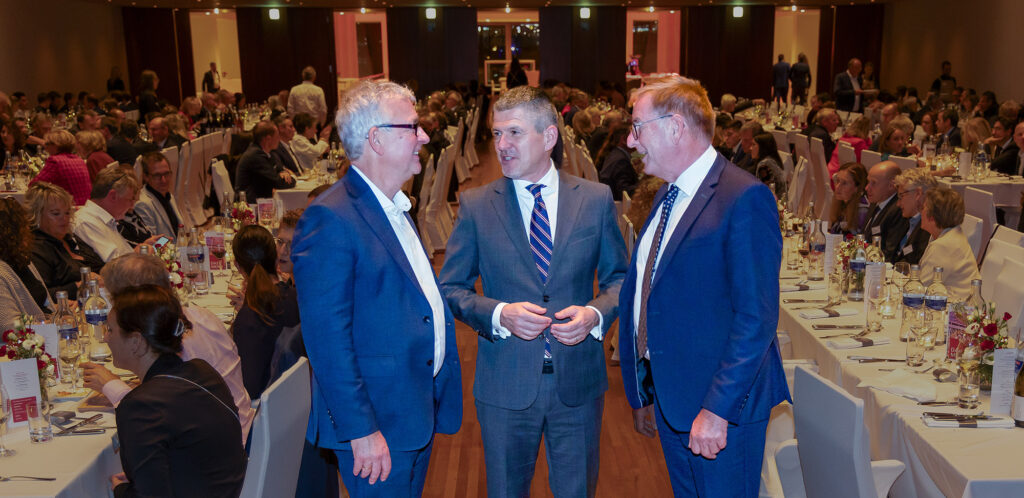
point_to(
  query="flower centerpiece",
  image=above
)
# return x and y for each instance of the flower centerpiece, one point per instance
(168, 253)
(987, 331)
(22, 343)
(241, 215)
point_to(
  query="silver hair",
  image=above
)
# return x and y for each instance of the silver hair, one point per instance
(534, 101)
(917, 178)
(360, 109)
(132, 270)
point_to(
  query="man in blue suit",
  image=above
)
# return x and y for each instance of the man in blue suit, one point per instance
(537, 238)
(380, 337)
(699, 306)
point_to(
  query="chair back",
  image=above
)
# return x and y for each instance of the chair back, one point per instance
(222, 182)
(630, 235)
(1009, 293)
(846, 152)
(801, 146)
(278, 434)
(787, 166)
(870, 158)
(800, 190)
(973, 228)
(781, 140)
(992, 266)
(905, 163)
(832, 441)
(819, 168)
(981, 204)
(1007, 234)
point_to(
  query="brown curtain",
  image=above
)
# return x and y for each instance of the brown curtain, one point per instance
(596, 46)
(846, 32)
(433, 52)
(729, 54)
(160, 40)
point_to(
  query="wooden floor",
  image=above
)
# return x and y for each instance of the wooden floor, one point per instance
(631, 464)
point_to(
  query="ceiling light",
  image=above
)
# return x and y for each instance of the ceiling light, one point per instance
(362, 10)
(431, 13)
(508, 9)
(650, 9)
(216, 10)
(793, 8)
(584, 12)
(274, 14)
(737, 11)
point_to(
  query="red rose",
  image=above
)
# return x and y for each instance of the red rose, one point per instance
(991, 329)
(11, 354)
(988, 345)
(1007, 317)
(40, 364)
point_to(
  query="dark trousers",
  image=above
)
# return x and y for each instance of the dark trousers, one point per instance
(735, 472)
(512, 440)
(408, 474)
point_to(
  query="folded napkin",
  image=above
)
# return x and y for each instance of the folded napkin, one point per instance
(903, 383)
(996, 422)
(856, 342)
(801, 287)
(827, 313)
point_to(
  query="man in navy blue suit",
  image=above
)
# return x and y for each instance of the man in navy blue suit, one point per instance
(699, 306)
(379, 335)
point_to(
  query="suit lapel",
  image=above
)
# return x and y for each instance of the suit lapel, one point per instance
(568, 213)
(704, 194)
(371, 211)
(506, 208)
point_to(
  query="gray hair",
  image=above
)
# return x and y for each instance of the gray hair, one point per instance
(360, 109)
(534, 101)
(132, 270)
(916, 178)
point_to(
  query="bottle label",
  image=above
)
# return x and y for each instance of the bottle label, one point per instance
(857, 266)
(913, 300)
(68, 331)
(818, 247)
(937, 303)
(96, 317)
(1018, 410)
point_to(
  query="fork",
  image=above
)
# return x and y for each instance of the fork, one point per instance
(852, 335)
(30, 478)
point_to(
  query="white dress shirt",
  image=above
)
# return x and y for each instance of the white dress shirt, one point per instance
(96, 227)
(308, 98)
(305, 152)
(209, 341)
(688, 182)
(396, 209)
(526, 201)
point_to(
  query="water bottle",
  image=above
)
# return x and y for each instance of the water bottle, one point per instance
(858, 265)
(63, 318)
(913, 302)
(875, 254)
(936, 296)
(975, 304)
(83, 289)
(817, 252)
(96, 309)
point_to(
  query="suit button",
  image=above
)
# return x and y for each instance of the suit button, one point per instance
(426, 319)
(547, 298)
(430, 363)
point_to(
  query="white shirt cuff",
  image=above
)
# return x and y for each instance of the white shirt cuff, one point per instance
(115, 391)
(598, 331)
(496, 329)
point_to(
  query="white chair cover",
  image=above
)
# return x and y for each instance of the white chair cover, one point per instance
(115, 163)
(1007, 234)
(800, 191)
(981, 204)
(780, 430)
(992, 266)
(278, 433)
(843, 115)
(846, 153)
(787, 166)
(905, 163)
(222, 182)
(801, 146)
(423, 199)
(870, 158)
(438, 217)
(973, 228)
(819, 169)
(781, 140)
(461, 164)
(1009, 292)
(585, 164)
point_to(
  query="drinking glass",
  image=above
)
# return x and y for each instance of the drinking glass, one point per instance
(915, 348)
(5, 413)
(835, 288)
(39, 428)
(891, 302)
(901, 274)
(793, 259)
(875, 294)
(70, 350)
(191, 269)
(969, 377)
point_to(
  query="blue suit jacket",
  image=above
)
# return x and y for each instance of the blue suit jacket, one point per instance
(713, 308)
(368, 328)
(490, 241)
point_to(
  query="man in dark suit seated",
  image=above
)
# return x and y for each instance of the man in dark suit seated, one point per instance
(258, 174)
(118, 148)
(744, 159)
(1010, 161)
(283, 153)
(161, 135)
(946, 124)
(884, 219)
(846, 88)
(825, 123)
(911, 187)
(730, 147)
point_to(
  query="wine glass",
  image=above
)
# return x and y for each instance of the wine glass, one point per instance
(70, 351)
(5, 413)
(901, 274)
(875, 294)
(191, 269)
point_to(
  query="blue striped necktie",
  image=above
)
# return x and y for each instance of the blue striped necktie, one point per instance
(541, 243)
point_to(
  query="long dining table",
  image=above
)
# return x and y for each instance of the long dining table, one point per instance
(940, 462)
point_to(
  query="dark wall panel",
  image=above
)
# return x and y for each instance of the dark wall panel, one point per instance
(730, 54)
(272, 53)
(555, 35)
(596, 46)
(434, 52)
(847, 32)
(160, 40)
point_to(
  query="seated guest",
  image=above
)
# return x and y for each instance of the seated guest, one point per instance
(269, 306)
(86, 120)
(826, 122)
(1011, 160)
(21, 288)
(884, 219)
(889, 112)
(179, 428)
(160, 135)
(305, 144)
(207, 338)
(849, 206)
(133, 229)
(156, 207)
(926, 130)
(176, 126)
(730, 146)
(857, 136)
(56, 253)
(612, 119)
(911, 187)
(768, 169)
(893, 142)
(727, 105)
(987, 107)
(113, 194)
(284, 244)
(974, 134)
(63, 168)
(748, 131)
(583, 125)
(616, 165)
(941, 216)
(283, 154)
(818, 102)
(93, 148)
(949, 133)
(257, 173)
(41, 125)
(118, 147)
(1001, 138)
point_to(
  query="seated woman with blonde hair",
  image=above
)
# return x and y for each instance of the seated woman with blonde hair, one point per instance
(93, 147)
(948, 248)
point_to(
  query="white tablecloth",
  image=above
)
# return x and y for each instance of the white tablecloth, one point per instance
(1005, 191)
(297, 196)
(940, 462)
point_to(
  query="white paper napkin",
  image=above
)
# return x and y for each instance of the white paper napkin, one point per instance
(856, 342)
(903, 383)
(1001, 422)
(801, 287)
(828, 313)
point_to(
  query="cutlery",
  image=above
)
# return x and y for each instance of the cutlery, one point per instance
(71, 428)
(835, 326)
(28, 478)
(853, 335)
(937, 403)
(958, 416)
(813, 307)
(872, 359)
(794, 300)
(82, 432)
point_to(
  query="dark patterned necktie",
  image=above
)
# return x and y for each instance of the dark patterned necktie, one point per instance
(541, 243)
(652, 256)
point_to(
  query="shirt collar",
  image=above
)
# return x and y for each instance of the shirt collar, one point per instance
(883, 204)
(549, 180)
(96, 210)
(394, 207)
(691, 178)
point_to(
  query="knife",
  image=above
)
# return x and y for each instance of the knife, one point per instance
(957, 416)
(834, 326)
(84, 422)
(872, 359)
(791, 300)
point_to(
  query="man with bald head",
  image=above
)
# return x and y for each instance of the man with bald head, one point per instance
(889, 112)
(161, 135)
(885, 218)
(846, 88)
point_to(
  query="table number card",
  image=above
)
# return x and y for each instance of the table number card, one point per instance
(1003, 379)
(265, 211)
(964, 167)
(831, 241)
(21, 379)
(52, 337)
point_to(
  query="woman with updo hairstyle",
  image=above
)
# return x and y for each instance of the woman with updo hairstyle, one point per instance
(849, 205)
(21, 289)
(268, 306)
(179, 428)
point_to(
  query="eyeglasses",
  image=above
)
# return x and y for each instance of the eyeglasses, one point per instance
(899, 195)
(637, 126)
(415, 127)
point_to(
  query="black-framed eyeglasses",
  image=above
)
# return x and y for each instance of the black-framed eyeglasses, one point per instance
(415, 127)
(899, 195)
(637, 126)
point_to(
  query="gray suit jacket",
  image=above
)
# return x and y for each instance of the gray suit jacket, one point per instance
(489, 241)
(153, 215)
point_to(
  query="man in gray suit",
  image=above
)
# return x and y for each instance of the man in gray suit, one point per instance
(537, 238)
(156, 206)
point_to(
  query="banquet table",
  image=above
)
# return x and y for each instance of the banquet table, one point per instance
(1005, 190)
(960, 462)
(297, 196)
(81, 464)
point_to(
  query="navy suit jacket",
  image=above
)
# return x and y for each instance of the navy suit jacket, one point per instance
(368, 328)
(843, 90)
(490, 241)
(713, 308)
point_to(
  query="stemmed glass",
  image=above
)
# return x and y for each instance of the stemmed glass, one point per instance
(70, 350)
(875, 293)
(191, 269)
(5, 413)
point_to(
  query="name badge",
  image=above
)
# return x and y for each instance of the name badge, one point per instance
(907, 249)
(876, 230)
